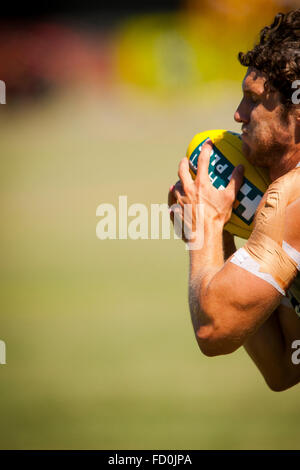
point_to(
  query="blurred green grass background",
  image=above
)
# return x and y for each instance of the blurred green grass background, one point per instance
(100, 348)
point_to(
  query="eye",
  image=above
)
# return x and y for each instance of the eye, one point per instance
(252, 98)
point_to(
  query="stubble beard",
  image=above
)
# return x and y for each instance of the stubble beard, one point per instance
(264, 154)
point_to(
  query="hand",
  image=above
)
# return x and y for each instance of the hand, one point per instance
(217, 203)
(175, 208)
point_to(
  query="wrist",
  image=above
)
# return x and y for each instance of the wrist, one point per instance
(210, 257)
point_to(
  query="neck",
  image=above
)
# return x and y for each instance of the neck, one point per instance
(287, 163)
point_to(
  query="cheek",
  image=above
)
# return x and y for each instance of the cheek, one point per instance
(260, 120)
(262, 130)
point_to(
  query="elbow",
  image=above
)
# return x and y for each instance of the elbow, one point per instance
(277, 387)
(280, 384)
(214, 342)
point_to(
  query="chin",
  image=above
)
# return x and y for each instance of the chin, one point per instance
(251, 155)
(246, 151)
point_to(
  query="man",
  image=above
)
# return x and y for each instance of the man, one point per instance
(245, 300)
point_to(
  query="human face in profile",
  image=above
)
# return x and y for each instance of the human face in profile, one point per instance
(267, 129)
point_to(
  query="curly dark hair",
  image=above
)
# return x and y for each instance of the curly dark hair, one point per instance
(278, 54)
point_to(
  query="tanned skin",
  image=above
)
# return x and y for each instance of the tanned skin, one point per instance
(231, 307)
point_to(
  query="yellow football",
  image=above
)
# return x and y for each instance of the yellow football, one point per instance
(227, 154)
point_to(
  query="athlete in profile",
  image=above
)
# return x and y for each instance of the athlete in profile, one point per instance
(253, 298)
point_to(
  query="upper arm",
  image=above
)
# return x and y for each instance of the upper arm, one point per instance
(239, 302)
(292, 223)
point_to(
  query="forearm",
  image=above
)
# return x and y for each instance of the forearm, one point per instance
(266, 349)
(204, 264)
(270, 349)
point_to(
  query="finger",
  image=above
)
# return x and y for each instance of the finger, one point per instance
(176, 217)
(179, 223)
(236, 181)
(181, 199)
(203, 162)
(178, 191)
(171, 196)
(184, 174)
(171, 202)
(178, 187)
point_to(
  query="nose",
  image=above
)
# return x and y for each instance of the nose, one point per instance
(241, 115)
(237, 116)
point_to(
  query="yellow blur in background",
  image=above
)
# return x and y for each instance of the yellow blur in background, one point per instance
(100, 347)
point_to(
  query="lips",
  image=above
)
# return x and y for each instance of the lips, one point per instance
(244, 133)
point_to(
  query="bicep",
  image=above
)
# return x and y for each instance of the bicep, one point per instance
(249, 294)
(243, 294)
(243, 301)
